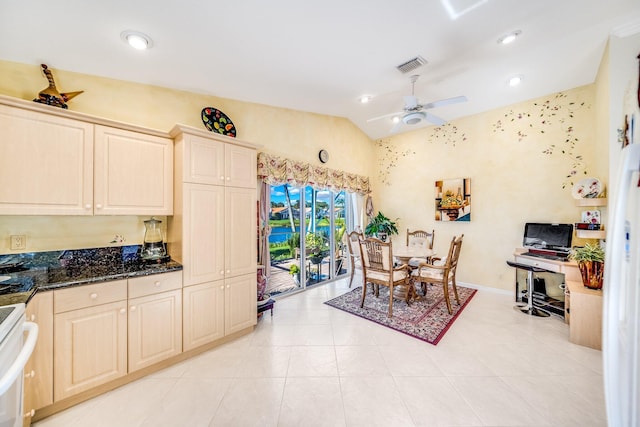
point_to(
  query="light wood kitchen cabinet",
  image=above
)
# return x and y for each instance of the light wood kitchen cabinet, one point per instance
(213, 233)
(155, 318)
(213, 310)
(38, 372)
(217, 160)
(90, 340)
(203, 314)
(240, 303)
(155, 328)
(133, 173)
(66, 163)
(46, 164)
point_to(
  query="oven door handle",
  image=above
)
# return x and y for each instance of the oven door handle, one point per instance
(17, 366)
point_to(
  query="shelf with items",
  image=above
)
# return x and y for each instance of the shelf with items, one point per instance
(591, 202)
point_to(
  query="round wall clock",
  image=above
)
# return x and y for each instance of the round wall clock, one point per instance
(323, 155)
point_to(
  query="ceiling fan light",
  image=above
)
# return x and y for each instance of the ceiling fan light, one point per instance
(395, 119)
(364, 99)
(414, 118)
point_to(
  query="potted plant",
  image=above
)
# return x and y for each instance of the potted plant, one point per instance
(317, 247)
(381, 227)
(294, 270)
(590, 259)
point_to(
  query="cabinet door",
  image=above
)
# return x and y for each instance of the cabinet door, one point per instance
(155, 328)
(203, 160)
(203, 314)
(240, 303)
(46, 164)
(133, 173)
(38, 372)
(90, 348)
(240, 166)
(240, 231)
(203, 233)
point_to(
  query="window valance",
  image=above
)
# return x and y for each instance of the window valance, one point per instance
(275, 170)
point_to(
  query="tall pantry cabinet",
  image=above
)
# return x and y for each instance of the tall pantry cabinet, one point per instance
(213, 233)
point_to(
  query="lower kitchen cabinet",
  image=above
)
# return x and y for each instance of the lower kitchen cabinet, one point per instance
(213, 310)
(155, 328)
(203, 314)
(90, 347)
(38, 372)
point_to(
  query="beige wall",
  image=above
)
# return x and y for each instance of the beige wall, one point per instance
(294, 134)
(513, 180)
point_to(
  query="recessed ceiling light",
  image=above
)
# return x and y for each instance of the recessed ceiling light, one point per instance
(136, 39)
(365, 99)
(508, 38)
(515, 80)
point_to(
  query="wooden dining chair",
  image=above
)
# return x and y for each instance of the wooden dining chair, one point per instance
(441, 271)
(378, 269)
(420, 238)
(353, 245)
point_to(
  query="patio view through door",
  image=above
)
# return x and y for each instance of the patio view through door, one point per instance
(306, 243)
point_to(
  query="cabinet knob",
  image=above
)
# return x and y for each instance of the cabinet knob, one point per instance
(157, 283)
(30, 414)
(228, 286)
(228, 271)
(30, 374)
(222, 287)
(222, 272)
(133, 308)
(228, 178)
(99, 206)
(87, 206)
(123, 311)
(222, 178)
(93, 295)
(32, 317)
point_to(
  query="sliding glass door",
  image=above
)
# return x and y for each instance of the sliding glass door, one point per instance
(306, 241)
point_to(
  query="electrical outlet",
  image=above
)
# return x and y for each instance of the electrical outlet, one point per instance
(18, 242)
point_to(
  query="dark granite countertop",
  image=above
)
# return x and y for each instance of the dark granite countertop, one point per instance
(25, 274)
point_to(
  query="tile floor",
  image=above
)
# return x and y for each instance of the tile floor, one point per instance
(313, 365)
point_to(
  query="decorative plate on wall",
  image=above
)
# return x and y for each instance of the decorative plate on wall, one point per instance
(217, 121)
(587, 188)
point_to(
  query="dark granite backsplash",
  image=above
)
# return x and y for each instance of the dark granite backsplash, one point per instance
(26, 273)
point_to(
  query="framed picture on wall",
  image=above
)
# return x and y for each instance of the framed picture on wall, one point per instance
(453, 200)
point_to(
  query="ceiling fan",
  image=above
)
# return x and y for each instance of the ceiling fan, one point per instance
(414, 112)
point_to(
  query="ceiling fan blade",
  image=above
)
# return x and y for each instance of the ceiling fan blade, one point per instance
(410, 102)
(443, 102)
(385, 116)
(435, 119)
(396, 127)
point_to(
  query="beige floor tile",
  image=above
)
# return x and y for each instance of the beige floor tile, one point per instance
(361, 361)
(313, 361)
(373, 401)
(264, 362)
(250, 402)
(312, 402)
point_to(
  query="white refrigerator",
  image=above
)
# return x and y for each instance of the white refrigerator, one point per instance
(621, 310)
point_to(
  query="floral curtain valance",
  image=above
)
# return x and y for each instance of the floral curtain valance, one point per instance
(275, 170)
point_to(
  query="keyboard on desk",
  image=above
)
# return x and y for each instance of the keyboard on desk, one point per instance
(553, 257)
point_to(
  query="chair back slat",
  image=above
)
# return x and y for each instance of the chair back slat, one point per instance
(376, 254)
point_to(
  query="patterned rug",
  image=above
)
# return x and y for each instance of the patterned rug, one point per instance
(426, 319)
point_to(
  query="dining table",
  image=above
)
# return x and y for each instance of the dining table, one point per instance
(405, 253)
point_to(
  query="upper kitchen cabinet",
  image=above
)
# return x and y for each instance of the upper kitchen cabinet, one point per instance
(133, 173)
(46, 164)
(56, 162)
(214, 159)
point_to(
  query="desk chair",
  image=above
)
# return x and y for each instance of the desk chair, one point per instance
(441, 271)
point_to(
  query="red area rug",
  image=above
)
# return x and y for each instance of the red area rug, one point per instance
(426, 319)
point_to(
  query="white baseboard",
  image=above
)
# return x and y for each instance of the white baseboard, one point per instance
(486, 288)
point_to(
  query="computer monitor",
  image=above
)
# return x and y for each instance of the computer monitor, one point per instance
(554, 237)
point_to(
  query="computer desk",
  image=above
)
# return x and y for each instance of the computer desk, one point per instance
(583, 306)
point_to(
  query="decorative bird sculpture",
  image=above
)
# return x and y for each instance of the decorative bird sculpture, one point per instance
(50, 95)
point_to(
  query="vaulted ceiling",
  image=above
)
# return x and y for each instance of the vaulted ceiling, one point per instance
(323, 56)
